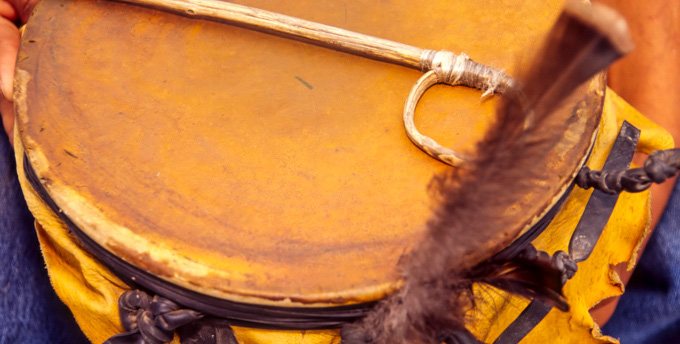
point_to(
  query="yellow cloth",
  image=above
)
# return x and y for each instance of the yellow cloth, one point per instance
(91, 291)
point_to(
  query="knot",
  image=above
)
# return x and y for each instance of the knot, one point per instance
(447, 66)
(150, 320)
(564, 264)
(606, 181)
(529, 252)
(560, 261)
(659, 165)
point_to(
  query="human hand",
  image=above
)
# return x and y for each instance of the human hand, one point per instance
(12, 12)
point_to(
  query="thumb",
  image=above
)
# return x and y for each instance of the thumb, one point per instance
(9, 47)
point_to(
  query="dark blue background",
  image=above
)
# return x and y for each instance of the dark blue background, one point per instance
(649, 310)
(30, 311)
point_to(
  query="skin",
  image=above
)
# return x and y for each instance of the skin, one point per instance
(647, 79)
(12, 13)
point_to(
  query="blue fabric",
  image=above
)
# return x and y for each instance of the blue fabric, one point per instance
(649, 311)
(30, 312)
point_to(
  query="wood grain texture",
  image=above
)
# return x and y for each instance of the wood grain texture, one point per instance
(287, 26)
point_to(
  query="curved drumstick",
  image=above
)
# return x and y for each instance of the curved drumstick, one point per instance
(607, 40)
(441, 66)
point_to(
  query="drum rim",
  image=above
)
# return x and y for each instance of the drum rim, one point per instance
(375, 293)
(133, 275)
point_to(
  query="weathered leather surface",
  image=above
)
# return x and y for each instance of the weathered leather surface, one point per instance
(256, 168)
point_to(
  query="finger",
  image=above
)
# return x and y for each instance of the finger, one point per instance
(8, 11)
(9, 47)
(23, 7)
(7, 111)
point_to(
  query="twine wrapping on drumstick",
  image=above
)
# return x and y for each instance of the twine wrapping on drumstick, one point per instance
(444, 67)
(455, 70)
(441, 67)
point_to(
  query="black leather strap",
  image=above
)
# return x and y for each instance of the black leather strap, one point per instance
(585, 236)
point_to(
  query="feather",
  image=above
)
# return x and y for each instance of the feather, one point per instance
(454, 253)
(590, 38)
(530, 277)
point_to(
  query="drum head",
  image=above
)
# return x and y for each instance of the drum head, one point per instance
(256, 168)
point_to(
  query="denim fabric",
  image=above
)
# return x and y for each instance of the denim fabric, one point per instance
(30, 312)
(649, 311)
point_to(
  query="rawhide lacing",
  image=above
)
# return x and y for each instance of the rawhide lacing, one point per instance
(659, 166)
(560, 260)
(150, 320)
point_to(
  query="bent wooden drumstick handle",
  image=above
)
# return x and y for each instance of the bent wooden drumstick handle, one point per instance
(441, 66)
(291, 27)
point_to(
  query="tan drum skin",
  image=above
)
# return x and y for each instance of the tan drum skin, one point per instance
(254, 158)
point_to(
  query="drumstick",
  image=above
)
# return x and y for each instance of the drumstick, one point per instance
(300, 29)
(440, 66)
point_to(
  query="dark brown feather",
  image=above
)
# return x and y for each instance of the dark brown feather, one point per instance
(534, 278)
(439, 272)
(590, 38)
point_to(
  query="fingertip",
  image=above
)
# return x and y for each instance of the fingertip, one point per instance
(27, 10)
(9, 47)
(7, 88)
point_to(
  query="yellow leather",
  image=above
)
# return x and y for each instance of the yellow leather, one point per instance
(88, 288)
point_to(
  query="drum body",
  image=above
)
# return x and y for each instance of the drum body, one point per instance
(264, 171)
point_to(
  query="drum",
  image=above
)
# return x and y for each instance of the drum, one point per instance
(267, 186)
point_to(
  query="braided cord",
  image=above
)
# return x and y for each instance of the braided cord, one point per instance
(659, 166)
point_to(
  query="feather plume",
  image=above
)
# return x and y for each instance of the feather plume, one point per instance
(439, 273)
(530, 276)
